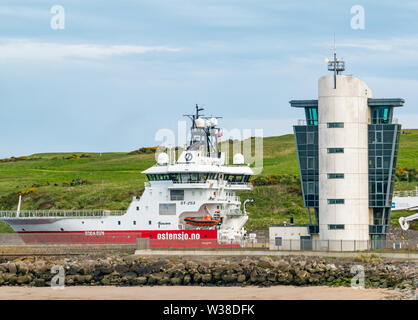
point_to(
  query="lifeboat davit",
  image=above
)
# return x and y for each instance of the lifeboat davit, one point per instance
(206, 221)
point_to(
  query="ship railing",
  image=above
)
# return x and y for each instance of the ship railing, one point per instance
(191, 181)
(241, 184)
(60, 213)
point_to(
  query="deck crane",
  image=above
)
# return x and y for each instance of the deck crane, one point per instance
(404, 221)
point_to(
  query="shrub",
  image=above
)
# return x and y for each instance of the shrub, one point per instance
(28, 191)
(144, 150)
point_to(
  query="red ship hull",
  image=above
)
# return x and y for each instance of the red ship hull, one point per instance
(158, 238)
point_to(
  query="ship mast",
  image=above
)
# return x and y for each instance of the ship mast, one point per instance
(206, 130)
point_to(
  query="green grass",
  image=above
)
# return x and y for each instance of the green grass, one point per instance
(113, 178)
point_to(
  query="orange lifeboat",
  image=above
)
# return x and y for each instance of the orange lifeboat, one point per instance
(206, 221)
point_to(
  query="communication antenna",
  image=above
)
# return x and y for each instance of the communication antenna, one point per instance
(336, 65)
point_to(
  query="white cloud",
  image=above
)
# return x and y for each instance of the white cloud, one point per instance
(24, 12)
(405, 44)
(32, 49)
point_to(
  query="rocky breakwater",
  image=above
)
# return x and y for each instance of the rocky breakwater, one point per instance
(264, 271)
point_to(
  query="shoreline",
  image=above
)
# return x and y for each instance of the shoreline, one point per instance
(197, 293)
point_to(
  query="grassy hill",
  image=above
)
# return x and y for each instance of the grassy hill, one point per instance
(109, 180)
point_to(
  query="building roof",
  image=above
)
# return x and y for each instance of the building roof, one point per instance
(389, 102)
(303, 103)
(380, 102)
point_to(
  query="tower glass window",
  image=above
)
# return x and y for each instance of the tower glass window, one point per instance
(311, 162)
(310, 138)
(381, 115)
(335, 175)
(335, 201)
(335, 124)
(336, 227)
(335, 150)
(311, 116)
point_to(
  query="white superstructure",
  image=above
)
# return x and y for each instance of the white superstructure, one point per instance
(199, 184)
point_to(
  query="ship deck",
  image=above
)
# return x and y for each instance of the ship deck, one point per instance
(27, 214)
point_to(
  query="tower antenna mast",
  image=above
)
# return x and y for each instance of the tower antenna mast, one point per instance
(335, 65)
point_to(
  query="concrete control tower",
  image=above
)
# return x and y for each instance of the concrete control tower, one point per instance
(347, 150)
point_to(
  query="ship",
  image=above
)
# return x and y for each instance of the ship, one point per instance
(190, 200)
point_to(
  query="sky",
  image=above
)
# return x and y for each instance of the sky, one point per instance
(119, 71)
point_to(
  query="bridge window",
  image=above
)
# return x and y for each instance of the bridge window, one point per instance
(176, 195)
(237, 178)
(167, 208)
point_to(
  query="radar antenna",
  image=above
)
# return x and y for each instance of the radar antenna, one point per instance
(335, 65)
(204, 134)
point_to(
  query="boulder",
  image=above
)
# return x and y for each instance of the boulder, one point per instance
(206, 278)
(24, 279)
(283, 266)
(175, 281)
(155, 278)
(12, 268)
(10, 278)
(187, 279)
(141, 280)
(122, 268)
(241, 278)
(266, 263)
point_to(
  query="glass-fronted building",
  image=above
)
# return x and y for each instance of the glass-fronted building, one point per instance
(383, 133)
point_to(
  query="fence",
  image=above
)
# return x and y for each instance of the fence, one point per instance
(340, 245)
(284, 245)
(406, 193)
(132, 238)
